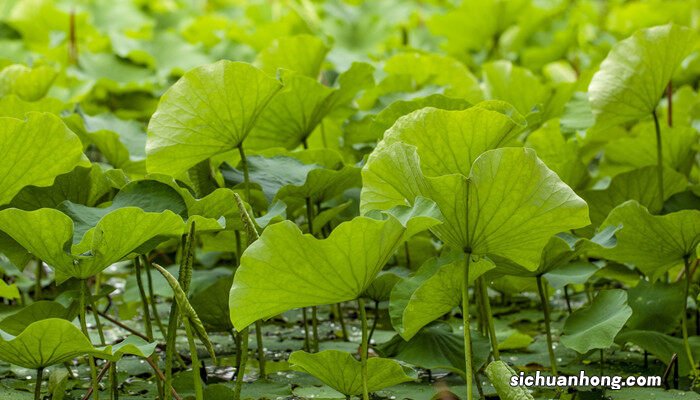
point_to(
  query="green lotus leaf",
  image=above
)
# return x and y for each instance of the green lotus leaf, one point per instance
(211, 304)
(436, 347)
(295, 112)
(44, 343)
(28, 84)
(560, 155)
(380, 289)
(640, 185)
(432, 292)
(516, 85)
(507, 204)
(595, 326)
(653, 243)
(634, 75)
(49, 235)
(106, 71)
(573, 273)
(656, 306)
(286, 269)
(17, 322)
(639, 150)
(132, 345)
(371, 128)
(663, 346)
(437, 69)
(82, 185)
(341, 371)
(32, 147)
(166, 52)
(121, 141)
(286, 178)
(210, 110)
(13, 106)
(300, 53)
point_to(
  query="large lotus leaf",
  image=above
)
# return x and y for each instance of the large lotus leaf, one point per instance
(371, 128)
(433, 291)
(301, 53)
(448, 142)
(282, 177)
(380, 289)
(15, 323)
(436, 347)
(35, 152)
(573, 273)
(656, 306)
(166, 52)
(560, 155)
(210, 110)
(342, 372)
(634, 75)
(640, 185)
(510, 205)
(286, 269)
(595, 326)
(435, 69)
(663, 346)
(211, 304)
(82, 185)
(479, 23)
(516, 85)
(29, 84)
(132, 345)
(304, 102)
(44, 343)
(637, 151)
(653, 243)
(12, 106)
(122, 142)
(48, 234)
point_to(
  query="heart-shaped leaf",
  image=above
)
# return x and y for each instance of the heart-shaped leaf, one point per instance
(595, 326)
(341, 371)
(36, 151)
(653, 243)
(286, 269)
(634, 75)
(210, 110)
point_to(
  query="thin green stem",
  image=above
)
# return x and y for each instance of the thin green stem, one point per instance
(244, 360)
(343, 328)
(486, 305)
(95, 313)
(144, 300)
(541, 288)
(37, 283)
(37, 387)
(684, 321)
(246, 173)
(84, 294)
(113, 380)
(364, 349)
(305, 322)
(467, 330)
(659, 156)
(375, 320)
(151, 296)
(196, 379)
(261, 349)
(314, 327)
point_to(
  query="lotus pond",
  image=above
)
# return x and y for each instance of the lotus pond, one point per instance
(336, 199)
